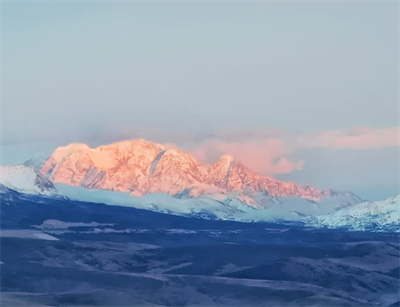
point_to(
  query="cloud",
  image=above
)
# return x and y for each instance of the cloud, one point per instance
(268, 151)
(266, 157)
(360, 138)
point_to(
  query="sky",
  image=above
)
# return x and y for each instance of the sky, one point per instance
(303, 91)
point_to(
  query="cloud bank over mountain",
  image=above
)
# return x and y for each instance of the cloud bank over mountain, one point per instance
(268, 151)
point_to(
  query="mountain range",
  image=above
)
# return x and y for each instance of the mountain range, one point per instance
(146, 175)
(141, 167)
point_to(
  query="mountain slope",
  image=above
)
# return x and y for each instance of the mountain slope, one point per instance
(363, 216)
(25, 179)
(141, 167)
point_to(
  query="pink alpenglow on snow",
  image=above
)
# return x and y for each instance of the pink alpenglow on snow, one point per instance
(142, 167)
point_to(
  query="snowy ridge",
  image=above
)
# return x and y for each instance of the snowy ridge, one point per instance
(26, 180)
(362, 216)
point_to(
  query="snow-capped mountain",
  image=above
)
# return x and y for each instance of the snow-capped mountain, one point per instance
(26, 179)
(141, 167)
(363, 216)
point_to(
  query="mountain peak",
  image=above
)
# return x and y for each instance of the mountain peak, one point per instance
(173, 152)
(25, 179)
(226, 159)
(75, 147)
(131, 144)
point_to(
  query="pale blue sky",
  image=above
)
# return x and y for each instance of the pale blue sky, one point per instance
(98, 72)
